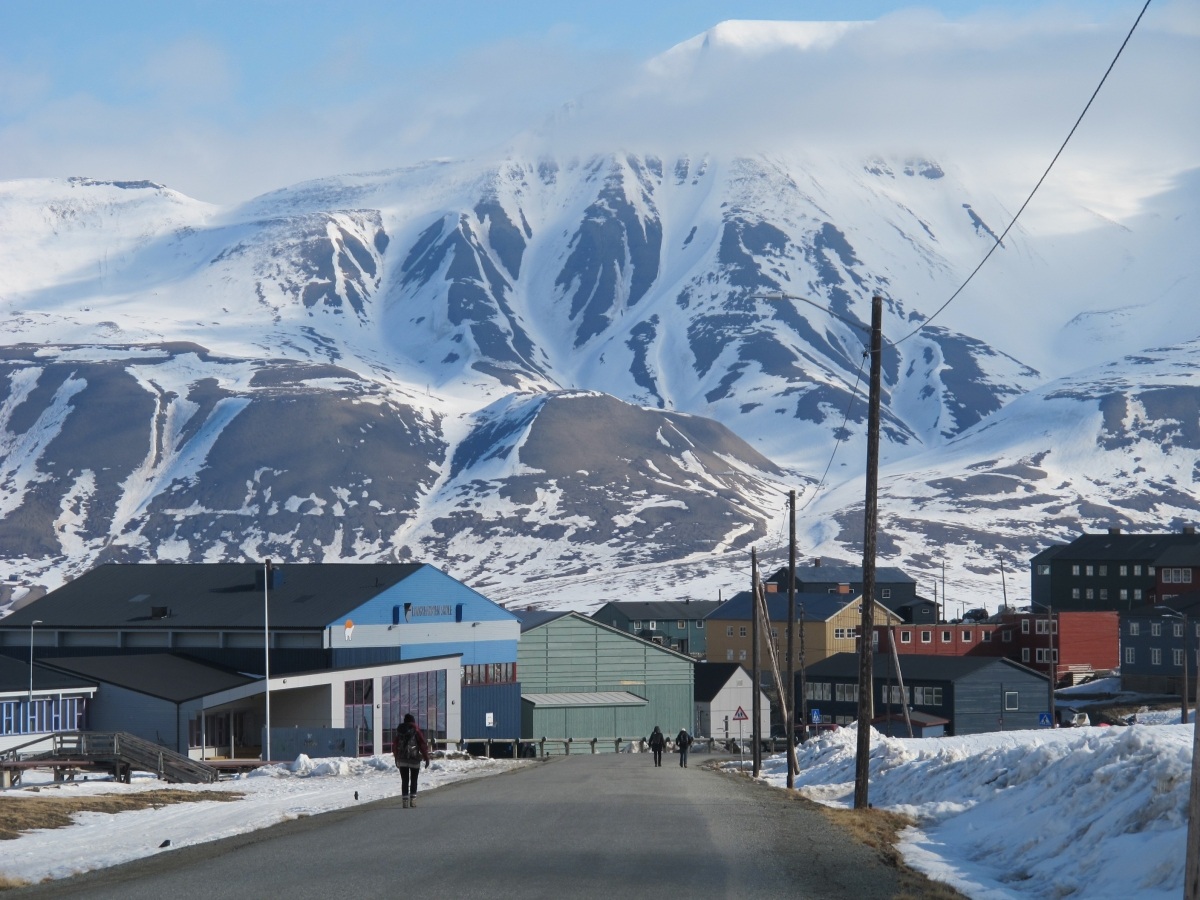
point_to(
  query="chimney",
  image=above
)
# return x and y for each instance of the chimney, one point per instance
(843, 588)
(160, 612)
(1189, 529)
(772, 587)
(1114, 531)
(816, 562)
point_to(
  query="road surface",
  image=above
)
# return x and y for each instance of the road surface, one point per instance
(606, 826)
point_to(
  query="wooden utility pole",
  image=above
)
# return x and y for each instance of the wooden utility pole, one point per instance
(756, 668)
(791, 642)
(1191, 869)
(870, 524)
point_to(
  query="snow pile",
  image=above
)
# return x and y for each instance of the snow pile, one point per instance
(1089, 812)
(272, 794)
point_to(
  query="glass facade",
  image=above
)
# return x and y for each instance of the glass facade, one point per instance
(423, 694)
(44, 715)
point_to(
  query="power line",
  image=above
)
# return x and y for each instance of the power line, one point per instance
(840, 440)
(1000, 240)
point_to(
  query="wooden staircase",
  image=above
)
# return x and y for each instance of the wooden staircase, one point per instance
(123, 753)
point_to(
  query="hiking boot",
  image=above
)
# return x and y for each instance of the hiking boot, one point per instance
(412, 801)
(405, 802)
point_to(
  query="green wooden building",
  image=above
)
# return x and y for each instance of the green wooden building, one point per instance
(582, 679)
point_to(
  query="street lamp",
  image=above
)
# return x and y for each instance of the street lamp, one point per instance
(29, 709)
(1051, 666)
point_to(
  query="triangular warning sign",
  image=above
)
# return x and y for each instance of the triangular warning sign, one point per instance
(740, 715)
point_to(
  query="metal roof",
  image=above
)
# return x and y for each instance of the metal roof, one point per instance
(594, 698)
(817, 606)
(210, 595)
(1114, 547)
(14, 678)
(664, 610)
(168, 676)
(825, 574)
(915, 667)
(711, 677)
(535, 618)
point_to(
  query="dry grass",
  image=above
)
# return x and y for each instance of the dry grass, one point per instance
(880, 830)
(19, 815)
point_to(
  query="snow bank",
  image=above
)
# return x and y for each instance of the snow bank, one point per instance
(1087, 812)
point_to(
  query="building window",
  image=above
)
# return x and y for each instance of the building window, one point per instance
(653, 625)
(637, 626)
(906, 637)
(1024, 654)
(729, 654)
(927, 696)
(945, 637)
(1024, 626)
(966, 637)
(845, 693)
(819, 690)
(1044, 655)
(886, 593)
(926, 637)
(774, 633)
(1137, 570)
(1123, 570)
(1177, 576)
(741, 654)
(1090, 594)
(1074, 593)
(741, 631)
(1150, 571)
(1074, 570)
(892, 694)
(1177, 654)
(1008, 635)
(728, 631)
(986, 636)
(1104, 571)
(1103, 593)
(1123, 594)
(1135, 628)
(700, 623)
(1137, 593)
(1012, 702)
(1156, 629)
(1130, 658)
(1043, 569)
(1088, 571)
(1155, 656)
(681, 624)
(1177, 629)
(840, 634)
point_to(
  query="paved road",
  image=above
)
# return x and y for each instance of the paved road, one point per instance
(609, 826)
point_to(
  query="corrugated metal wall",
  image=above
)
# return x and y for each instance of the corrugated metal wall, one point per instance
(503, 701)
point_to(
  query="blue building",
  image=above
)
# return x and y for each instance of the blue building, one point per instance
(320, 618)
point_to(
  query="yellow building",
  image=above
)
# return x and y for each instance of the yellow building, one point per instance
(829, 624)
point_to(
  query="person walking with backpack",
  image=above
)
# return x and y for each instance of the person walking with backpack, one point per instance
(683, 741)
(409, 747)
(657, 742)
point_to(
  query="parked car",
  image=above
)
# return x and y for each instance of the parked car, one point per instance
(1069, 717)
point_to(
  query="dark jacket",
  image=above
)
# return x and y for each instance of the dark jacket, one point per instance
(683, 740)
(657, 740)
(398, 740)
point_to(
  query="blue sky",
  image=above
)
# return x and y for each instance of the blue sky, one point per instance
(225, 99)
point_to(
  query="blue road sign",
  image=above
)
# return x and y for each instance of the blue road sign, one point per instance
(815, 715)
(1044, 720)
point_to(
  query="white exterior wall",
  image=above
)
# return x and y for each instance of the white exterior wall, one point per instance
(738, 692)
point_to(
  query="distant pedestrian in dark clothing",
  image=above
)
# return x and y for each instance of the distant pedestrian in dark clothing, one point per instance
(658, 740)
(409, 747)
(683, 741)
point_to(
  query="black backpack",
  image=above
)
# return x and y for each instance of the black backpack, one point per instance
(405, 744)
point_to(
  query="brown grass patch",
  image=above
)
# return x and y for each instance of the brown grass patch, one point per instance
(880, 830)
(20, 815)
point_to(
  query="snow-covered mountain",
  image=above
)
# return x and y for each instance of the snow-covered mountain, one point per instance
(569, 378)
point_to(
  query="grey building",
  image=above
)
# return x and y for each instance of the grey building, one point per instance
(893, 588)
(676, 624)
(1113, 570)
(1159, 643)
(974, 694)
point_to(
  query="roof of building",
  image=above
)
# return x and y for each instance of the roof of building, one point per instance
(1109, 546)
(167, 676)
(810, 606)
(538, 619)
(663, 610)
(925, 720)
(826, 574)
(1188, 604)
(535, 618)
(592, 698)
(1180, 555)
(14, 678)
(916, 667)
(210, 595)
(711, 677)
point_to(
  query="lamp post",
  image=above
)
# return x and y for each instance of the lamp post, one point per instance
(29, 706)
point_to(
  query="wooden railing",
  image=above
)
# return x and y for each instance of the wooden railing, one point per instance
(120, 752)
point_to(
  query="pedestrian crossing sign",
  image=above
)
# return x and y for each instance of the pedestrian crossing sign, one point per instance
(740, 715)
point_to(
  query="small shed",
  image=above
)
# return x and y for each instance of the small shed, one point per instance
(924, 725)
(721, 690)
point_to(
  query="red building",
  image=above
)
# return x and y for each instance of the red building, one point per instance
(1079, 643)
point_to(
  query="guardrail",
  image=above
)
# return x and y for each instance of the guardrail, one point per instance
(537, 748)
